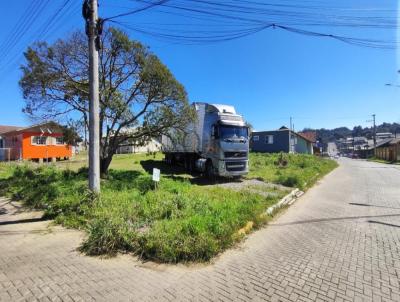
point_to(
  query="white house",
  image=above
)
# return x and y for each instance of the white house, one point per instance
(151, 146)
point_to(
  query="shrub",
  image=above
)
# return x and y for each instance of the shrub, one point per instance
(108, 235)
(180, 240)
(289, 180)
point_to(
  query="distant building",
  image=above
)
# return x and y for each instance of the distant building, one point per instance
(4, 129)
(150, 146)
(389, 150)
(312, 136)
(352, 144)
(282, 140)
(384, 135)
(135, 146)
(38, 142)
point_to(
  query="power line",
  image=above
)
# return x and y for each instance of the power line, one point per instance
(150, 5)
(249, 17)
(21, 28)
(66, 14)
(50, 21)
(48, 26)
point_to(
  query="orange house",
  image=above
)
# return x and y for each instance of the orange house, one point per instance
(39, 142)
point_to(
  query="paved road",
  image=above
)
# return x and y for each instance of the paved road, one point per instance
(340, 241)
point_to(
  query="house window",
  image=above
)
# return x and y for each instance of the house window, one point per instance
(269, 139)
(39, 140)
(59, 140)
(256, 138)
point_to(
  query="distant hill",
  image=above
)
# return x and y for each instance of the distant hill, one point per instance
(330, 135)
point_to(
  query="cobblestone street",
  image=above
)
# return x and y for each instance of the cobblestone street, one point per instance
(339, 242)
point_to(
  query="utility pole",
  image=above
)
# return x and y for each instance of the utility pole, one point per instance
(290, 136)
(89, 12)
(373, 120)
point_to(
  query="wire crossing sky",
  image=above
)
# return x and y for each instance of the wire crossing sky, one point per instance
(271, 59)
(207, 21)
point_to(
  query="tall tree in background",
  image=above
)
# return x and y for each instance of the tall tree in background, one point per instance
(139, 97)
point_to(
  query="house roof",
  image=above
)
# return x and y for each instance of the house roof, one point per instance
(310, 135)
(283, 128)
(43, 127)
(303, 137)
(395, 141)
(383, 143)
(5, 128)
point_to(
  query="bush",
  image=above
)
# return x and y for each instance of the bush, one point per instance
(180, 240)
(108, 235)
(289, 180)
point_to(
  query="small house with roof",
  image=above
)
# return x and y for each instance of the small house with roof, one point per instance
(38, 142)
(281, 140)
(389, 150)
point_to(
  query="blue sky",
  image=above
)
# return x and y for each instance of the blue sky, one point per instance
(268, 76)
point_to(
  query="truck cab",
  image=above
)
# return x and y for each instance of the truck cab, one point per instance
(228, 146)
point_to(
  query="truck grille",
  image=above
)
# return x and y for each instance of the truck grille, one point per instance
(235, 154)
(235, 166)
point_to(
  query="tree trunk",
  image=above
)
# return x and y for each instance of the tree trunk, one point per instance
(104, 165)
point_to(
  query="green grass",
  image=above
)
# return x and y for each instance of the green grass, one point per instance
(178, 221)
(382, 161)
(300, 170)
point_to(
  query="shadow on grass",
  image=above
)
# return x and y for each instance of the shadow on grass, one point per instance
(177, 172)
(121, 179)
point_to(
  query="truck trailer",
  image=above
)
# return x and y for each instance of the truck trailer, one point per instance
(216, 143)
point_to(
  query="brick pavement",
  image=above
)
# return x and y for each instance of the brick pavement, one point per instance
(339, 242)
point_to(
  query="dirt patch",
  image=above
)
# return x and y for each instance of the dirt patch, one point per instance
(254, 186)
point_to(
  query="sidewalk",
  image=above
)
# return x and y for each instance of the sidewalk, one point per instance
(338, 242)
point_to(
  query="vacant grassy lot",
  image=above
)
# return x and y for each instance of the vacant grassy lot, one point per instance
(181, 220)
(120, 161)
(291, 170)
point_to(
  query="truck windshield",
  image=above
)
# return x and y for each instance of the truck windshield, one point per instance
(232, 132)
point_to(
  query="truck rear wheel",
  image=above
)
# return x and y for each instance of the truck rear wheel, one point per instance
(210, 171)
(188, 164)
(169, 159)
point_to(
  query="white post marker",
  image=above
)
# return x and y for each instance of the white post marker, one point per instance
(156, 176)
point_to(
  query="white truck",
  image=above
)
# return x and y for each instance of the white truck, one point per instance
(216, 143)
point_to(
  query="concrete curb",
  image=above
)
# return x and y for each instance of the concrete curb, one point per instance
(287, 200)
